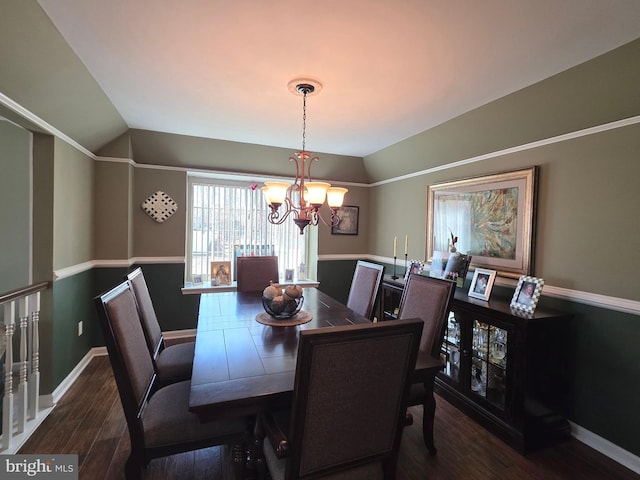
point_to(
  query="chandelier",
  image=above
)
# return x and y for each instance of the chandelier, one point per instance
(304, 197)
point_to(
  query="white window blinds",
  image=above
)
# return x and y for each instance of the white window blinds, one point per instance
(226, 221)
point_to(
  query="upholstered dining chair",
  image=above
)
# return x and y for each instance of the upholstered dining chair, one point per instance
(429, 299)
(158, 420)
(173, 363)
(253, 274)
(365, 286)
(349, 403)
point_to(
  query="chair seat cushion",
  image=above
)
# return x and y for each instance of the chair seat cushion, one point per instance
(175, 362)
(166, 420)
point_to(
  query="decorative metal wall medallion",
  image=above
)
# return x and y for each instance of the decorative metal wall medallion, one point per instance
(160, 206)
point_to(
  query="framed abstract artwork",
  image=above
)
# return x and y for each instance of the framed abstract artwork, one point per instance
(493, 218)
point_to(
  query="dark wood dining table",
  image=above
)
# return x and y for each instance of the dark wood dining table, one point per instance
(244, 367)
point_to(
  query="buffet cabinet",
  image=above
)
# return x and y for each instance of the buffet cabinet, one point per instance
(506, 370)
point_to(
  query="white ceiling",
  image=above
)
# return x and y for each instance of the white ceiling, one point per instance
(389, 68)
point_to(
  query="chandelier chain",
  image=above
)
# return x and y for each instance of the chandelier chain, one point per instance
(304, 120)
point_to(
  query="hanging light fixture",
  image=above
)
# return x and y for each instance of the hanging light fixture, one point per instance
(304, 197)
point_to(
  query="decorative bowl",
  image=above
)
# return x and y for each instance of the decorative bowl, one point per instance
(282, 310)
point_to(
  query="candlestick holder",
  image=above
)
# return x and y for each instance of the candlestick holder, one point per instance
(394, 276)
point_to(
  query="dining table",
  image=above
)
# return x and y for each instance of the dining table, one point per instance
(243, 367)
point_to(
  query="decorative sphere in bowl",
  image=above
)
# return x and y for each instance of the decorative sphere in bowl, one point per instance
(282, 303)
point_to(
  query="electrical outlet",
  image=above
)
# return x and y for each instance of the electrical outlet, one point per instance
(79, 328)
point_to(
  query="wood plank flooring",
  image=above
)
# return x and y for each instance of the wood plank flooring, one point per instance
(89, 421)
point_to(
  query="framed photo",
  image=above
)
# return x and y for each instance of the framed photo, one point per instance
(457, 267)
(525, 298)
(482, 283)
(439, 261)
(492, 216)
(220, 273)
(414, 267)
(288, 275)
(348, 225)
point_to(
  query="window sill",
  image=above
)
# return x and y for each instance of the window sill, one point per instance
(206, 287)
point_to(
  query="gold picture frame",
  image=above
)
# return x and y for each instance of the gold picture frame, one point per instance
(221, 273)
(493, 217)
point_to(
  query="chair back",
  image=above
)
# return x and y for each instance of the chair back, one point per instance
(350, 397)
(127, 348)
(150, 325)
(365, 286)
(429, 299)
(254, 273)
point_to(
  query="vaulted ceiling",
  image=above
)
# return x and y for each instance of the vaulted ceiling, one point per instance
(389, 68)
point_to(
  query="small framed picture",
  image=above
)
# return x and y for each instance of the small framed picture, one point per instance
(415, 266)
(220, 273)
(348, 225)
(482, 283)
(457, 267)
(197, 279)
(288, 275)
(438, 263)
(525, 298)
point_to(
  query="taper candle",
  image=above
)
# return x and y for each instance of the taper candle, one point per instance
(395, 246)
(406, 244)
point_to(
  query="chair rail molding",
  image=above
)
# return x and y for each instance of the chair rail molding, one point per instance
(623, 305)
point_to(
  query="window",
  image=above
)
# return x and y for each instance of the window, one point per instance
(228, 220)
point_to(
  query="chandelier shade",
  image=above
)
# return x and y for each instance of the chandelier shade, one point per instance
(335, 196)
(303, 198)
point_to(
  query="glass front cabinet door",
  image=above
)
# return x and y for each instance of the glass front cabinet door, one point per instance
(475, 356)
(506, 371)
(488, 354)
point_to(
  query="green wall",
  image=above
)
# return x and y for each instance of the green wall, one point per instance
(156, 148)
(44, 75)
(586, 240)
(71, 304)
(15, 190)
(73, 206)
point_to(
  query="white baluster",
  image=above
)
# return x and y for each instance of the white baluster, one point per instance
(21, 405)
(7, 401)
(34, 378)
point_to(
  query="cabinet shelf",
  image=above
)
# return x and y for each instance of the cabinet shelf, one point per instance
(506, 371)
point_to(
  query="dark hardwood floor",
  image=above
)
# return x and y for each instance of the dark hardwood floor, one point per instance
(89, 421)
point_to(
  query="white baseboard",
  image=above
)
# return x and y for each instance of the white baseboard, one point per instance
(604, 446)
(61, 389)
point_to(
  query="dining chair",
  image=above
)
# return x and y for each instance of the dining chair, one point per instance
(158, 419)
(173, 363)
(365, 286)
(254, 273)
(349, 402)
(429, 299)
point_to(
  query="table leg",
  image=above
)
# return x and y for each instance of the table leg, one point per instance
(257, 453)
